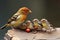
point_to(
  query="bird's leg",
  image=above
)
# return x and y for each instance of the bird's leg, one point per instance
(35, 31)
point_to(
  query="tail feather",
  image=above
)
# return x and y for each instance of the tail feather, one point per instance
(3, 27)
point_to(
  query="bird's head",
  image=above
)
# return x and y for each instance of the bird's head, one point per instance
(28, 22)
(43, 20)
(35, 20)
(24, 10)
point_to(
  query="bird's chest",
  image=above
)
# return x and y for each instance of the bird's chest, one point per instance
(23, 17)
(36, 24)
(44, 24)
(20, 19)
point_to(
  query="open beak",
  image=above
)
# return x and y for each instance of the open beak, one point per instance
(30, 11)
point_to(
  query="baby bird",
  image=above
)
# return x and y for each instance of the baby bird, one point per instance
(29, 24)
(46, 25)
(37, 24)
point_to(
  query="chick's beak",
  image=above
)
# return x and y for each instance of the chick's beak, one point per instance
(30, 11)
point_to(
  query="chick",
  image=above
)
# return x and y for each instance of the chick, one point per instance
(45, 23)
(46, 26)
(37, 24)
(29, 24)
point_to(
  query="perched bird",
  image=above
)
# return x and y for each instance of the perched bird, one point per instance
(37, 24)
(18, 18)
(29, 24)
(46, 26)
(22, 26)
(45, 23)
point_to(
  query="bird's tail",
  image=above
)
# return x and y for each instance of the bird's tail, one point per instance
(3, 27)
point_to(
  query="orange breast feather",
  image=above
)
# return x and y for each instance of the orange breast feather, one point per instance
(23, 17)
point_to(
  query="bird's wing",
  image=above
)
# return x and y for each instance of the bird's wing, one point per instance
(13, 18)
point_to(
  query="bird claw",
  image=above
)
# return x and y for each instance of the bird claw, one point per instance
(34, 32)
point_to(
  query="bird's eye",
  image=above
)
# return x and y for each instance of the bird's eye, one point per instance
(25, 10)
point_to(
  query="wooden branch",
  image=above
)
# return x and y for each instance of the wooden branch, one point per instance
(21, 35)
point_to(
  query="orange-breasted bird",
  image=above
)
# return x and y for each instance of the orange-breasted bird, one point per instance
(18, 18)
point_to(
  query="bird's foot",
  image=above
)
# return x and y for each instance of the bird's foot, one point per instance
(35, 31)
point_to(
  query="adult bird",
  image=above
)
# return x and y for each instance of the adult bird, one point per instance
(18, 18)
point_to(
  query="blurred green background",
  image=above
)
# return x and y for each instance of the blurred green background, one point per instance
(49, 9)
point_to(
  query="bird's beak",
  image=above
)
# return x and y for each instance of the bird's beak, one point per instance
(30, 11)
